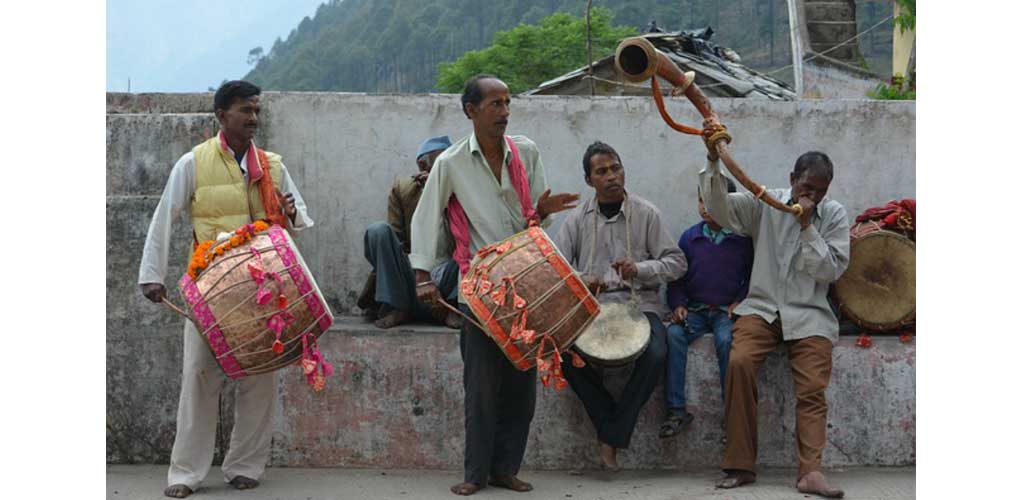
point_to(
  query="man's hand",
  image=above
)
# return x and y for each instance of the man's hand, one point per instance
(627, 268)
(680, 313)
(594, 284)
(709, 126)
(288, 204)
(427, 291)
(548, 205)
(808, 206)
(421, 177)
(153, 291)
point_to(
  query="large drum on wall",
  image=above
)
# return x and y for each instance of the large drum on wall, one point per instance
(878, 290)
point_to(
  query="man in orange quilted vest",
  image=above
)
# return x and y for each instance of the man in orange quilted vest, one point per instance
(219, 186)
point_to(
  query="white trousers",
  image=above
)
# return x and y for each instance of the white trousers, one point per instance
(202, 382)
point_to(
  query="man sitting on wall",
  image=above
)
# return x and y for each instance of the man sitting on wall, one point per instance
(796, 259)
(390, 296)
(623, 236)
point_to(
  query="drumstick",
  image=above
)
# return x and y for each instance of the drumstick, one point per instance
(457, 311)
(175, 308)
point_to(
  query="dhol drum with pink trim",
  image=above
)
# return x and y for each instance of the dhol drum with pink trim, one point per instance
(258, 306)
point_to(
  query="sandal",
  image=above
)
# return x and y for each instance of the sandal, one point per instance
(674, 424)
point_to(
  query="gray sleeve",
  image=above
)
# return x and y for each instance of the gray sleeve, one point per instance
(428, 226)
(825, 256)
(566, 240)
(181, 185)
(303, 220)
(667, 262)
(737, 211)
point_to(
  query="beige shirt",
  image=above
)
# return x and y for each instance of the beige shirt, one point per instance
(492, 207)
(792, 269)
(586, 231)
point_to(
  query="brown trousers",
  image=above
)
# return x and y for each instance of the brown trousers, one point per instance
(811, 362)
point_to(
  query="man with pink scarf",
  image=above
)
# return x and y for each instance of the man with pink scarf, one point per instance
(492, 186)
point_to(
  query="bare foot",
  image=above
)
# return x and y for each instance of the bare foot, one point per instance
(244, 483)
(510, 483)
(177, 491)
(395, 317)
(815, 483)
(607, 457)
(736, 478)
(465, 489)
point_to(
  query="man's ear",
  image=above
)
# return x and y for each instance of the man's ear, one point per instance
(587, 180)
(219, 114)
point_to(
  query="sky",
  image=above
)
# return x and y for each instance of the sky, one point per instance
(190, 45)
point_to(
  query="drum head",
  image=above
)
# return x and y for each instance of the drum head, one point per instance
(618, 335)
(878, 290)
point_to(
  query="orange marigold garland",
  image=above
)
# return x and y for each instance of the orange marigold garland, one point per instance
(206, 251)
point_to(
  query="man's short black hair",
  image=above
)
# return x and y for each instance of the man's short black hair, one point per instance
(817, 161)
(598, 148)
(472, 91)
(230, 91)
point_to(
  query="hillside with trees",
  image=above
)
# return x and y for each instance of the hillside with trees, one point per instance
(399, 45)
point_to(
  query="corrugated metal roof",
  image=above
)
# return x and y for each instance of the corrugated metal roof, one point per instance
(715, 73)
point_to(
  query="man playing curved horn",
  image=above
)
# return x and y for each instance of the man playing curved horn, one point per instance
(486, 196)
(796, 260)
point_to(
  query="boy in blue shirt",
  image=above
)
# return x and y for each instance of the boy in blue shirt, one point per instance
(719, 266)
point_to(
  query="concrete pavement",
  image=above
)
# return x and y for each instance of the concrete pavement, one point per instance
(131, 482)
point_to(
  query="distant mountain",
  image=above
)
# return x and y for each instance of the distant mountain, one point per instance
(396, 45)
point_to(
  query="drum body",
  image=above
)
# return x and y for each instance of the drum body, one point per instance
(528, 298)
(618, 335)
(246, 295)
(878, 290)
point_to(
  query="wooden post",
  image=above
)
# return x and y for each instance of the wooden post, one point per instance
(587, 22)
(796, 48)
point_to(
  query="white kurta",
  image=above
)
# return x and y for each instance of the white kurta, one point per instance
(202, 378)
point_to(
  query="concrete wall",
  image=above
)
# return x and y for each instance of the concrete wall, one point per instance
(343, 150)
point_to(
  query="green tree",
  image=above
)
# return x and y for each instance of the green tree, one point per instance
(528, 55)
(907, 19)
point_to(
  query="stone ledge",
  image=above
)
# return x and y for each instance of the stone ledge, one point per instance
(398, 402)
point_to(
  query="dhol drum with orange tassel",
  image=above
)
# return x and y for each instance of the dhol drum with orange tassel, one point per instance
(255, 302)
(530, 302)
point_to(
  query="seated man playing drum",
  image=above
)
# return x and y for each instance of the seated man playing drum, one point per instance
(619, 244)
(220, 186)
(719, 265)
(389, 296)
(796, 260)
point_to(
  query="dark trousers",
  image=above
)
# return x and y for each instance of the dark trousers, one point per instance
(498, 403)
(614, 420)
(396, 282)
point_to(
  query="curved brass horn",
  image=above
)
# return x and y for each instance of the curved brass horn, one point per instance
(637, 60)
